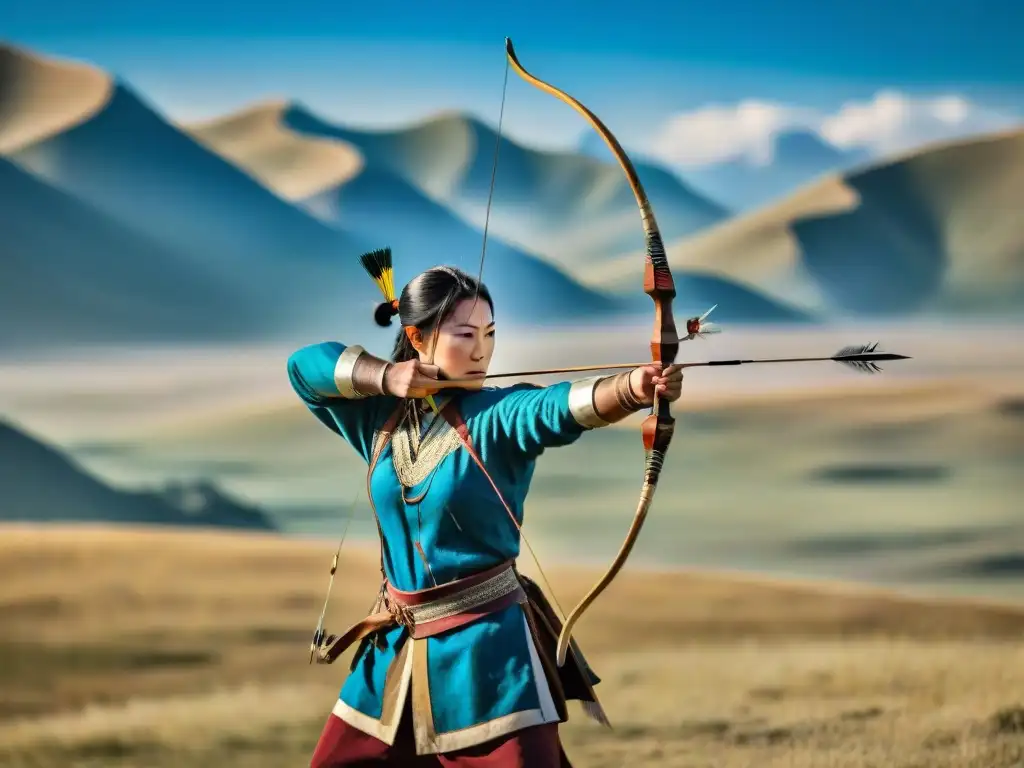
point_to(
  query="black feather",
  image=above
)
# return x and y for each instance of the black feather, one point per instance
(860, 357)
(376, 262)
(857, 349)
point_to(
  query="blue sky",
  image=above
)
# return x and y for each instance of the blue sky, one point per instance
(381, 63)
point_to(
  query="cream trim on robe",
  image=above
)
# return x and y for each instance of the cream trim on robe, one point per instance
(413, 658)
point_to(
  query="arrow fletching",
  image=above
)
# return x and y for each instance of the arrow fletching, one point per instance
(704, 317)
(864, 357)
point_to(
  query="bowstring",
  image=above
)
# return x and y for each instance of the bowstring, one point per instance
(337, 558)
(476, 298)
(490, 191)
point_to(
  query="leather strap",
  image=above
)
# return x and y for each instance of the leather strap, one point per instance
(384, 437)
(471, 590)
(398, 604)
(575, 679)
(453, 417)
(334, 645)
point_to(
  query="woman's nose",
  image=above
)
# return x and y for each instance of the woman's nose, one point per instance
(479, 351)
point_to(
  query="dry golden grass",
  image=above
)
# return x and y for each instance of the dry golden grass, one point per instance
(143, 648)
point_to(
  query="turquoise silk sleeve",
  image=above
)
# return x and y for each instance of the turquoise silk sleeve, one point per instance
(320, 374)
(530, 419)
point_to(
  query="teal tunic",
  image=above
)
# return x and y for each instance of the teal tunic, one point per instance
(483, 679)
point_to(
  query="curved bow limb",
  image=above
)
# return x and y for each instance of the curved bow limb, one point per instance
(659, 427)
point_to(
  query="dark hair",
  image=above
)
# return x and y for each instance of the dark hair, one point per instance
(426, 302)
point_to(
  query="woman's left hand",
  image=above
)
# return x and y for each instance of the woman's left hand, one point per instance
(650, 379)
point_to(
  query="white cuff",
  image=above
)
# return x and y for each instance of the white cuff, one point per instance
(343, 372)
(581, 403)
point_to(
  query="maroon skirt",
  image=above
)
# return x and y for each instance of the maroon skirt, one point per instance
(343, 746)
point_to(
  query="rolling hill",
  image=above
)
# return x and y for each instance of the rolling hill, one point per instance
(935, 231)
(296, 167)
(40, 485)
(300, 273)
(126, 161)
(797, 158)
(375, 198)
(41, 97)
(205, 220)
(794, 158)
(571, 209)
(71, 274)
(372, 201)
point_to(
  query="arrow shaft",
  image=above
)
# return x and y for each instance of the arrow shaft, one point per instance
(758, 360)
(576, 369)
(868, 357)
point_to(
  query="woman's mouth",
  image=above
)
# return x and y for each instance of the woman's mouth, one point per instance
(476, 374)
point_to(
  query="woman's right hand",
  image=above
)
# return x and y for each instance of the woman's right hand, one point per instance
(412, 378)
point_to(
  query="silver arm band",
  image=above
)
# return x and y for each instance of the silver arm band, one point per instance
(581, 403)
(343, 370)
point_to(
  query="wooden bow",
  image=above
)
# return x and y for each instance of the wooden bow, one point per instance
(659, 427)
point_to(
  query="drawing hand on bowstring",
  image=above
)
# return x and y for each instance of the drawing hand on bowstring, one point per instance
(412, 379)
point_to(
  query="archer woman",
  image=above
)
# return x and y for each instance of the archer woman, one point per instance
(456, 665)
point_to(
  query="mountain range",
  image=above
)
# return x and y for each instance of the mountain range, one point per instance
(72, 274)
(120, 225)
(793, 158)
(425, 171)
(572, 209)
(156, 197)
(41, 485)
(377, 203)
(931, 232)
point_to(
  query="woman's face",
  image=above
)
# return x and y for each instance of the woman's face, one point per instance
(464, 344)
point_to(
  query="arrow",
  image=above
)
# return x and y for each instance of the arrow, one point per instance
(861, 358)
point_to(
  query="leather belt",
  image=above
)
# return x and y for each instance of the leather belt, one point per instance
(429, 612)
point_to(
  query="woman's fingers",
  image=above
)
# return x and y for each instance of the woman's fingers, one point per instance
(673, 372)
(424, 378)
(671, 375)
(428, 370)
(669, 385)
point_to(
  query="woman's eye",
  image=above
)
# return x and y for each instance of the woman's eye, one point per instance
(490, 334)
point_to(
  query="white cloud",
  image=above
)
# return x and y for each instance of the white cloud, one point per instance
(717, 133)
(890, 122)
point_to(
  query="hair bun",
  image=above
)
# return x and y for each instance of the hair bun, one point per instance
(384, 312)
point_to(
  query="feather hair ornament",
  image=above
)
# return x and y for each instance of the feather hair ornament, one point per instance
(378, 264)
